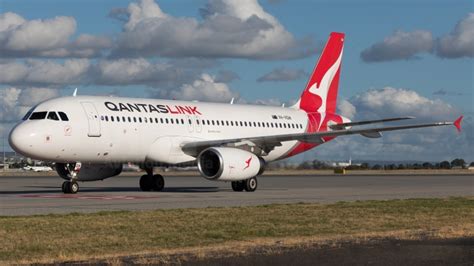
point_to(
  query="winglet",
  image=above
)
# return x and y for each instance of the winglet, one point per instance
(457, 123)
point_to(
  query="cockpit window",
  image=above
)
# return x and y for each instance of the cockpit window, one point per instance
(53, 116)
(63, 116)
(27, 115)
(38, 115)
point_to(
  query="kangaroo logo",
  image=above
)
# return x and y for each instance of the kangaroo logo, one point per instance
(248, 163)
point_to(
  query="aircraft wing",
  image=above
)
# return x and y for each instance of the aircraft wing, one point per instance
(268, 143)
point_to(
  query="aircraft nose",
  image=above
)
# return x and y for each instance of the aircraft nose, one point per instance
(20, 139)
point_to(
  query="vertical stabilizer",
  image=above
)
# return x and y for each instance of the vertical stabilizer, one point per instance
(320, 94)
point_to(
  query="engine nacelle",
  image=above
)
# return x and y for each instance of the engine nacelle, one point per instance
(229, 164)
(88, 172)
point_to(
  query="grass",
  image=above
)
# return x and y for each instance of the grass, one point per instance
(80, 236)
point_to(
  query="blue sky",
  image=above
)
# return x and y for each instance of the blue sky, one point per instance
(434, 75)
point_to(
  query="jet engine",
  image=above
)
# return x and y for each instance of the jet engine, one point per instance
(229, 164)
(87, 172)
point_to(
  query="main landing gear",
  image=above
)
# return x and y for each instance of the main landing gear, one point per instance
(150, 182)
(249, 185)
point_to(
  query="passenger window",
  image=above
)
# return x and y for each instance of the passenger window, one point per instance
(129, 119)
(145, 120)
(63, 116)
(38, 115)
(197, 121)
(118, 118)
(182, 121)
(112, 118)
(212, 122)
(140, 119)
(217, 122)
(107, 118)
(134, 119)
(156, 120)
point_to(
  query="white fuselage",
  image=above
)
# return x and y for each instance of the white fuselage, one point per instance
(114, 129)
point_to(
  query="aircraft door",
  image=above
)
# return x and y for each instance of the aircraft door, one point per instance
(92, 119)
(190, 123)
(198, 124)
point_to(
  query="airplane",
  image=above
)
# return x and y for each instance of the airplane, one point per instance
(38, 168)
(90, 137)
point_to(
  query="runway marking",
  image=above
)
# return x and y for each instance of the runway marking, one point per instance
(89, 197)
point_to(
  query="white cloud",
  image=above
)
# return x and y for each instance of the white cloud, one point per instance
(32, 96)
(460, 42)
(122, 72)
(400, 45)
(10, 20)
(204, 89)
(46, 38)
(8, 104)
(346, 109)
(283, 74)
(44, 73)
(389, 101)
(229, 28)
(14, 102)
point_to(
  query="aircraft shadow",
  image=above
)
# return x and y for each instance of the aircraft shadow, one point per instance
(45, 190)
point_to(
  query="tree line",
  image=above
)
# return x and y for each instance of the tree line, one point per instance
(321, 165)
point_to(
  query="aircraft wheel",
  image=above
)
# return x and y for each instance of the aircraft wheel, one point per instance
(251, 184)
(146, 183)
(158, 183)
(64, 187)
(238, 185)
(73, 187)
(70, 187)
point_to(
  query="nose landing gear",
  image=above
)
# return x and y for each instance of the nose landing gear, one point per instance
(69, 172)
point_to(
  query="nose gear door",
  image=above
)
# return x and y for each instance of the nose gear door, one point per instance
(92, 119)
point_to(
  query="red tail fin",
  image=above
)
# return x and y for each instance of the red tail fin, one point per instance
(320, 94)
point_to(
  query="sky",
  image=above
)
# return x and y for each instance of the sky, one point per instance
(400, 58)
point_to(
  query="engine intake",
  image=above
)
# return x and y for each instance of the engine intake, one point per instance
(229, 164)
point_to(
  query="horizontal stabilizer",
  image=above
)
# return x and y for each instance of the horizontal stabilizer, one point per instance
(360, 123)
